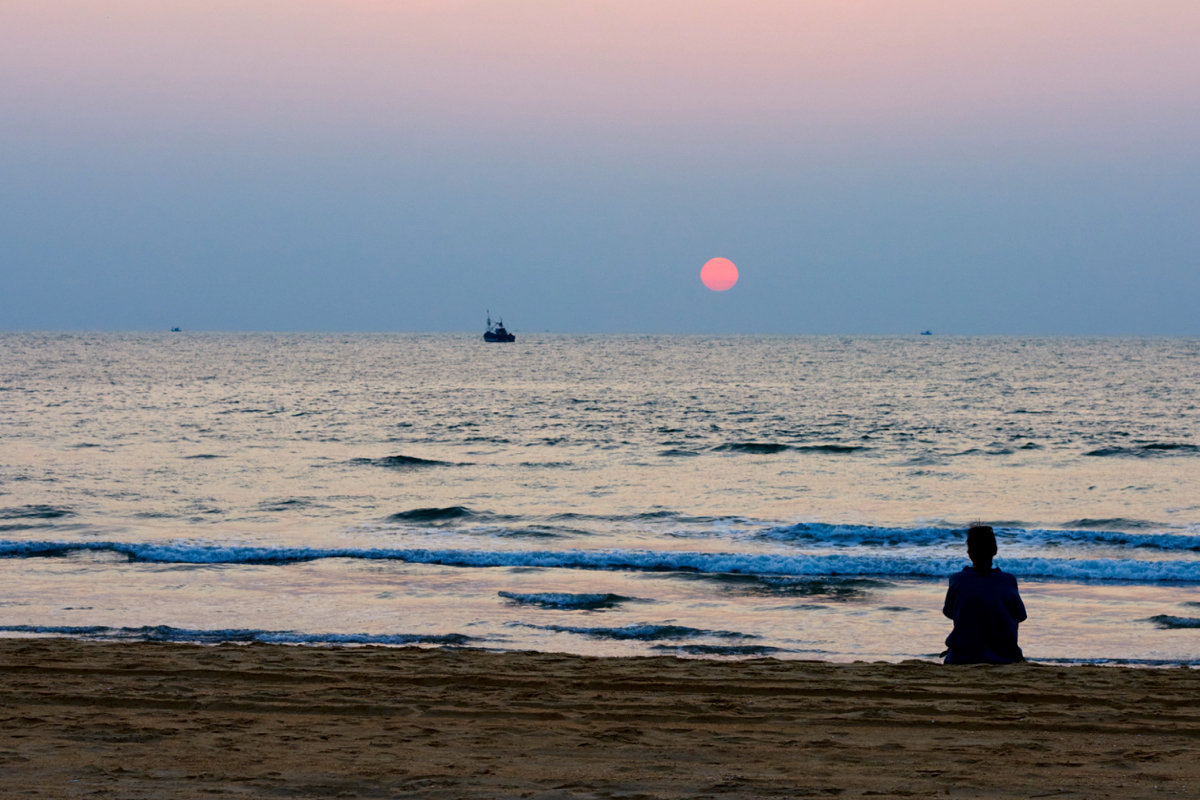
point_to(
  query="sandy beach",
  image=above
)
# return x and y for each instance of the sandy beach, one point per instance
(85, 719)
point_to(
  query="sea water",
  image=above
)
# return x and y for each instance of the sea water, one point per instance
(606, 495)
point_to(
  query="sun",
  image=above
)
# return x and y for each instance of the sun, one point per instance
(719, 274)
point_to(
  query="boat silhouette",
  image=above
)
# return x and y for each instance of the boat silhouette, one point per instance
(497, 332)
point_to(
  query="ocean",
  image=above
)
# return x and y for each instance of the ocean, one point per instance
(717, 497)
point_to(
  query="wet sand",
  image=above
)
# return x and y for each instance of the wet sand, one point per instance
(84, 719)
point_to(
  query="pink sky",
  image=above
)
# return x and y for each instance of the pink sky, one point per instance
(636, 74)
(875, 166)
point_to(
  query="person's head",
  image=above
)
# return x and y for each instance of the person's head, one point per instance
(981, 545)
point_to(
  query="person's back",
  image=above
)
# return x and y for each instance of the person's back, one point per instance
(986, 607)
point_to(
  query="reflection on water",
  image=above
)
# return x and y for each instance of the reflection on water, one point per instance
(805, 494)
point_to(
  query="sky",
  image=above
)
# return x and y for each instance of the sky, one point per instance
(1014, 167)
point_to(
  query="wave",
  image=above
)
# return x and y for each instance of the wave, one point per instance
(867, 535)
(1168, 622)
(825, 589)
(484, 523)
(533, 532)
(764, 564)
(644, 632)
(468, 521)
(35, 512)
(644, 516)
(1152, 450)
(1110, 523)
(975, 451)
(285, 504)
(755, 448)
(1119, 662)
(433, 514)
(571, 602)
(674, 516)
(167, 633)
(739, 650)
(770, 448)
(403, 462)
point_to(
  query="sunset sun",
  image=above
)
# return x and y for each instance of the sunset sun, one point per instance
(719, 274)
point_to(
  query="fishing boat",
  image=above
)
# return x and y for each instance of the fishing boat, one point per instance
(497, 332)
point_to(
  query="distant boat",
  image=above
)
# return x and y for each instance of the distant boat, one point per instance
(497, 332)
(927, 333)
(176, 330)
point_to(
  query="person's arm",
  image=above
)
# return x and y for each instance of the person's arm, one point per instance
(951, 600)
(1015, 607)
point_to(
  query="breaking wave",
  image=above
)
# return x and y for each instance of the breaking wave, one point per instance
(765, 564)
(867, 535)
(1120, 662)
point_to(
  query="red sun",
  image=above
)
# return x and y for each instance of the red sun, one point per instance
(719, 274)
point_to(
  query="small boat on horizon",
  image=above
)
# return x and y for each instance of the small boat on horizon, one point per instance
(927, 333)
(497, 332)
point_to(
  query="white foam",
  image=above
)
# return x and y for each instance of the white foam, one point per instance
(826, 565)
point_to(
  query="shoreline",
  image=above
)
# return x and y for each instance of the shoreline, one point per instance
(143, 720)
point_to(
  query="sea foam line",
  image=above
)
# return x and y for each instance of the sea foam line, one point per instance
(880, 565)
(167, 633)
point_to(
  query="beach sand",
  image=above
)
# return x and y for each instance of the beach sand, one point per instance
(124, 720)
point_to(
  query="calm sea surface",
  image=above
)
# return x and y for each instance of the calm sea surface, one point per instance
(611, 495)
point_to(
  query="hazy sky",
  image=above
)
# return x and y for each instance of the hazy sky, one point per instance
(993, 166)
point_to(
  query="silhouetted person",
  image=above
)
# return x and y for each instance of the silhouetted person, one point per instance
(985, 605)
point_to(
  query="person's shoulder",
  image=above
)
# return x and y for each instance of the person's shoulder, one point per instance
(1007, 577)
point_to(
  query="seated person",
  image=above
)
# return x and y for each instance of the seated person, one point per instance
(985, 605)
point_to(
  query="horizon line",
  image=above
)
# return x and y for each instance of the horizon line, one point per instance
(475, 334)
